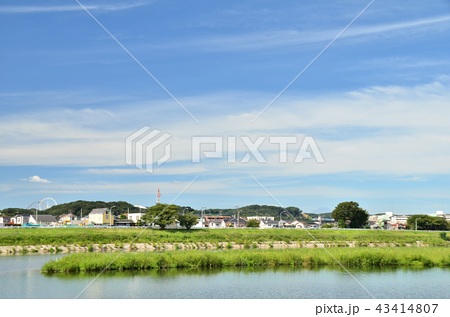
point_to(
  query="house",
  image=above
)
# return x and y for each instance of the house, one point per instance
(269, 224)
(20, 219)
(388, 221)
(383, 221)
(399, 222)
(66, 218)
(200, 223)
(236, 222)
(283, 223)
(4, 220)
(47, 220)
(215, 221)
(80, 222)
(101, 216)
(135, 217)
(373, 221)
(297, 224)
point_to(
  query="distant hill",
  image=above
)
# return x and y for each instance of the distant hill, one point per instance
(16, 211)
(85, 207)
(261, 210)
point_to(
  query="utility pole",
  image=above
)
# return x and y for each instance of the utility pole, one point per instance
(279, 224)
(201, 216)
(110, 215)
(237, 218)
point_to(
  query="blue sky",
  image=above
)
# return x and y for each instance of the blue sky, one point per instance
(368, 80)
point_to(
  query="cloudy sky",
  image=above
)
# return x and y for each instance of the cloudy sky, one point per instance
(367, 81)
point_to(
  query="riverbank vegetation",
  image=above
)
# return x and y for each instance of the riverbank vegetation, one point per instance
(298, 258)
(88, 236)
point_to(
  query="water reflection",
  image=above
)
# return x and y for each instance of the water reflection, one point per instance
(21, 278)
(172, 273)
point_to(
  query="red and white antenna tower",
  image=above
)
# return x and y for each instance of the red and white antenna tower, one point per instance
(158, 196)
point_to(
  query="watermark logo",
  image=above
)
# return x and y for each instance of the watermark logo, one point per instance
(148, 148)
(216, 146)
(145, 149)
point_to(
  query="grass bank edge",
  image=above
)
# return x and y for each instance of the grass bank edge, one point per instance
(200, 259)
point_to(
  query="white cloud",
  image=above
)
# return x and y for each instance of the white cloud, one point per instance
(384, 129)
(38, 179)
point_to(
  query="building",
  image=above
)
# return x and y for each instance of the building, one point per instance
(67, 219)
(298, 225)
(216, 223)
(399, 221)
(266, 224)
(135, 217)
(236, 222)
(4, 220)
(20, 219)
(438, 213)
(46, 220)
(101, 216)
(124, 223)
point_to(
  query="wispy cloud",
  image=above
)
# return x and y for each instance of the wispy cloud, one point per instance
(163, 170)
(71, 8)
(294, 37)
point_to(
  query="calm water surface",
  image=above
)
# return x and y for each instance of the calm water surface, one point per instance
(20, 277)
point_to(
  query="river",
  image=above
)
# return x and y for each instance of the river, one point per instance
(21, 279)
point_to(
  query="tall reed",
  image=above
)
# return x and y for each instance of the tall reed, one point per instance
(201, 259)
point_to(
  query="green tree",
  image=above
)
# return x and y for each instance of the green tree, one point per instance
(349, 214)
(294, 211)
(187, 220)
(253, 223)
(425, 222)
(161, 215)
(16, 211)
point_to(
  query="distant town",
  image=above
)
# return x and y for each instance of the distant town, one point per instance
(123, 214)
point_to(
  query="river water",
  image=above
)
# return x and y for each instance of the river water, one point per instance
(20, 278)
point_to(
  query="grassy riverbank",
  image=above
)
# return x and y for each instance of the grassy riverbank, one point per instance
(88, 236)
(348, 257)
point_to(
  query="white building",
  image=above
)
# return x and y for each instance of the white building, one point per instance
(135, 217)
(217, 223)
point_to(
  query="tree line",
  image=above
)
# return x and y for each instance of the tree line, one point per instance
(347, 214)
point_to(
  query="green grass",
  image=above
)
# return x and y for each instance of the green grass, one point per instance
(89, 236)
(307, 258)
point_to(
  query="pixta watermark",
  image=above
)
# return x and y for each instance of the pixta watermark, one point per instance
(243, 149)
(148, 148)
